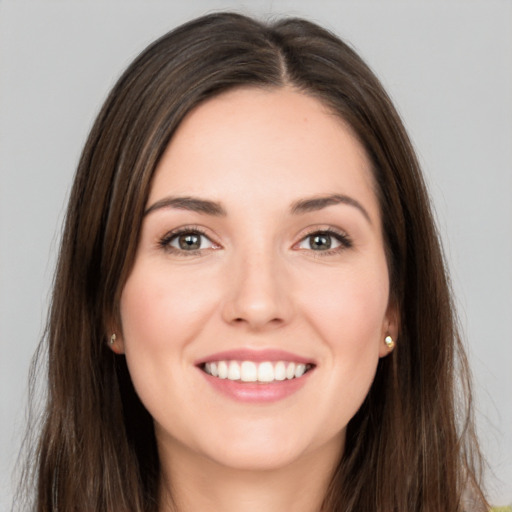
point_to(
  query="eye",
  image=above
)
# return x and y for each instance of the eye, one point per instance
(324, 241)
(187, 241)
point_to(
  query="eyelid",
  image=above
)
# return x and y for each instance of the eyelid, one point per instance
(341, 237)
(164, 242)
(345, 242)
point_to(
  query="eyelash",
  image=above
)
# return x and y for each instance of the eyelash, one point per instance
(343, 239)
(166, 240)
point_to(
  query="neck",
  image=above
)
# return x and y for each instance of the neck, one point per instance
(200, 484)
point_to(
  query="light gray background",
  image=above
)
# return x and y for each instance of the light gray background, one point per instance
(448, 66)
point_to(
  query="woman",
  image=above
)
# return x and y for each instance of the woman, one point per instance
(250, 307)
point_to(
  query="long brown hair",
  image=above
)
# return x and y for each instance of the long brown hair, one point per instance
(411, 446)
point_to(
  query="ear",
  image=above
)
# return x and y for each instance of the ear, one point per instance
(390, 328)
(115, 338)
(116, 344)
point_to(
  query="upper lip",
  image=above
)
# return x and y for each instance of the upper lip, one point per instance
(257, 356)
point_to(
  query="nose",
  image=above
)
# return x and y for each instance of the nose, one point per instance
(258, 293)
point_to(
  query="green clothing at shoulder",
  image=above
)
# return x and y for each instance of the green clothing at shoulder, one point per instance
(501, 509)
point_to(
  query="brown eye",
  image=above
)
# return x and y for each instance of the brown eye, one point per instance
(320, 241)
(190, 241)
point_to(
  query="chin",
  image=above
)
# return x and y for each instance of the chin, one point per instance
(268, 450)
(253, 459)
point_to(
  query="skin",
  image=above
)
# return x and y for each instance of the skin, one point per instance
(257, 282)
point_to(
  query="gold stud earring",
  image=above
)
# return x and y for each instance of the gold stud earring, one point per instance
(388, 340)
(112, 339)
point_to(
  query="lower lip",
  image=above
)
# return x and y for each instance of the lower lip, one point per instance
(257, 392)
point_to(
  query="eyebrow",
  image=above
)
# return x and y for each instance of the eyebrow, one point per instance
(208, 207)
(193, 204)
(319, 202)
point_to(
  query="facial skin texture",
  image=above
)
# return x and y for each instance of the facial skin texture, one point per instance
(257, 284)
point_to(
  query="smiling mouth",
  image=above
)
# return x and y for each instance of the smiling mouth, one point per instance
(260, 372)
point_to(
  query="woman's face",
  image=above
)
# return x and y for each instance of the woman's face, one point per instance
(256, 310)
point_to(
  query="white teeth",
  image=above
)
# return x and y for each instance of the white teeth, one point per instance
(265, 372)
(222, 369)
(290, 371)
(299, 370)
(249, 371)
(280, 371)
(233, 371)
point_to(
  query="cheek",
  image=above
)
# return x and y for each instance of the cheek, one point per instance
(143, 308)
(351, 304)
(349, 315)
(161, 316)
(160, 309)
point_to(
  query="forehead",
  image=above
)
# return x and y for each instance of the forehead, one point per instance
(262, 141)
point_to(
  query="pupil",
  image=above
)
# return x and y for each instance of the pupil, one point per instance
(320, 242)
(190, 242)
